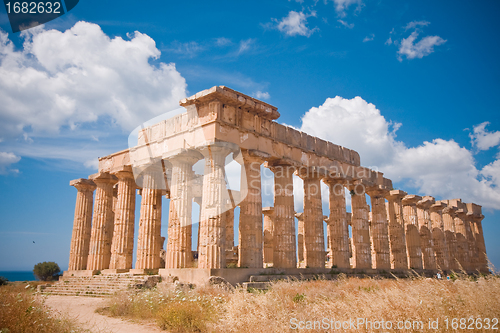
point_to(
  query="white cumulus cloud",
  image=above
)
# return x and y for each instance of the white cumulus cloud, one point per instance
(483, 139)
(262, 95)
(6, 160)
(420, 49)
(296, 24)
(342, 5)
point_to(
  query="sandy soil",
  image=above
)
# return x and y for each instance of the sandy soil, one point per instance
(83, 310)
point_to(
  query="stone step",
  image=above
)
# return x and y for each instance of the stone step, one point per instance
(278, 277)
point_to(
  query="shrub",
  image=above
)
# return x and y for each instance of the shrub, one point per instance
(183, 317)
(3, 281)
(46, 271)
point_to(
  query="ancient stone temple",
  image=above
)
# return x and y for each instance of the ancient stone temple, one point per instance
(386, 229)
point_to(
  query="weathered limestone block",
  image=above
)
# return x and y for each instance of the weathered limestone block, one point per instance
(451, 241)
(80, 238)
(399, 259)
(338, 224)
(461, 235)
(179, 217)
(471, 238)
(250, 223)
(300, 239)
(102, 222)
(438, 236)
(425, 228)
(477, 228)
(412, 234)
(122, 246)
(361, 251)
(284, 253)
(149, 241)
(379, 228)
(212, 252)
(314, 239)
(268, 234)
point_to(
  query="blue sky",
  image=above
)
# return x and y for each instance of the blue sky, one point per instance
(410, 85)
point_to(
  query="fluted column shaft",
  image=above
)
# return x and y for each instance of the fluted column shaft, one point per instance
(379, 229)
(284, 253)
(397, 237)
(462, 242)
(149, 241)
(229, 233)
(213, 218)
(102, 222)
(438, 236)
(425, 227)
(122, 246)
(179, 217)
(250, 252)
(361, 252)
(80, 238)
(338, 224)
(314, 237)
(268, 234)
(451, 241)
(413, 248)
(483, 259)
(471, 238)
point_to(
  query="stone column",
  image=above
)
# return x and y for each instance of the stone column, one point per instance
(213, 218)
(399, 258)
(338, 223)
(229, 246)
(268, 234)
(483, 258)
(412, 234)
(122, 246)
(314, 237)
(250, 225)
(379, 228)
(461, 236)
(451, 241)
(425, 226)
(471, 238)
(300, 239)
(80, 238)
(284, 252)
(149, 241)
(438, 236)
(361, 251)
(102, 222)
(179, 253)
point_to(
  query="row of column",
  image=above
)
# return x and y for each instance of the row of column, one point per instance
(405, 232)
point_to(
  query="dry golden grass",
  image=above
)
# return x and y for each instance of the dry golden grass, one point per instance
(21, 311)
(290, 304)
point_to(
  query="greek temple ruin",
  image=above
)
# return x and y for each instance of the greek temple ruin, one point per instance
(396, 232)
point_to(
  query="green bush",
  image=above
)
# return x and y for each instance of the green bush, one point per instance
(3, 281)
(46, 271)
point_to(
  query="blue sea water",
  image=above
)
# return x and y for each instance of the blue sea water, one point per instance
(18, 276)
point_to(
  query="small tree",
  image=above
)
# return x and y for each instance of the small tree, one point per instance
(3, 280)
(46, 271)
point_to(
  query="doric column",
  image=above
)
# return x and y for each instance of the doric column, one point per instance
(80, 238)
(471, 238)
(449, 231)
(361, 252)
(149, 241)
(314, 237)
(461, 235)
(229, 246)
(425, 229)
(483, 258)
(122, 246)
(268, 234)
(410, 216)
(438, 236)
(338, 223)
(379, 228)
(250, 223)
(300, 239)
(399, 259)
(102, 222)
(284, 253)
(179, 253)
(213, 218)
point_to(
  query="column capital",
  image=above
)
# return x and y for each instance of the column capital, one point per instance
(462, 213)
(188, 156)
(310, 172)
(278, 165)
(218, 148)
(82, 184)
(254, 156)
(377, 191)
(426, 202)
(103, 178)
(299, 216)
(450, 210)
(268, 211)
(411, 200)
(396, 195)
(438, 206)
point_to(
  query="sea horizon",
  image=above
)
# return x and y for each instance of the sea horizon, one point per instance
(13, 276)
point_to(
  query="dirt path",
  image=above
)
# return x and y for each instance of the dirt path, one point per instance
(83, 310)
